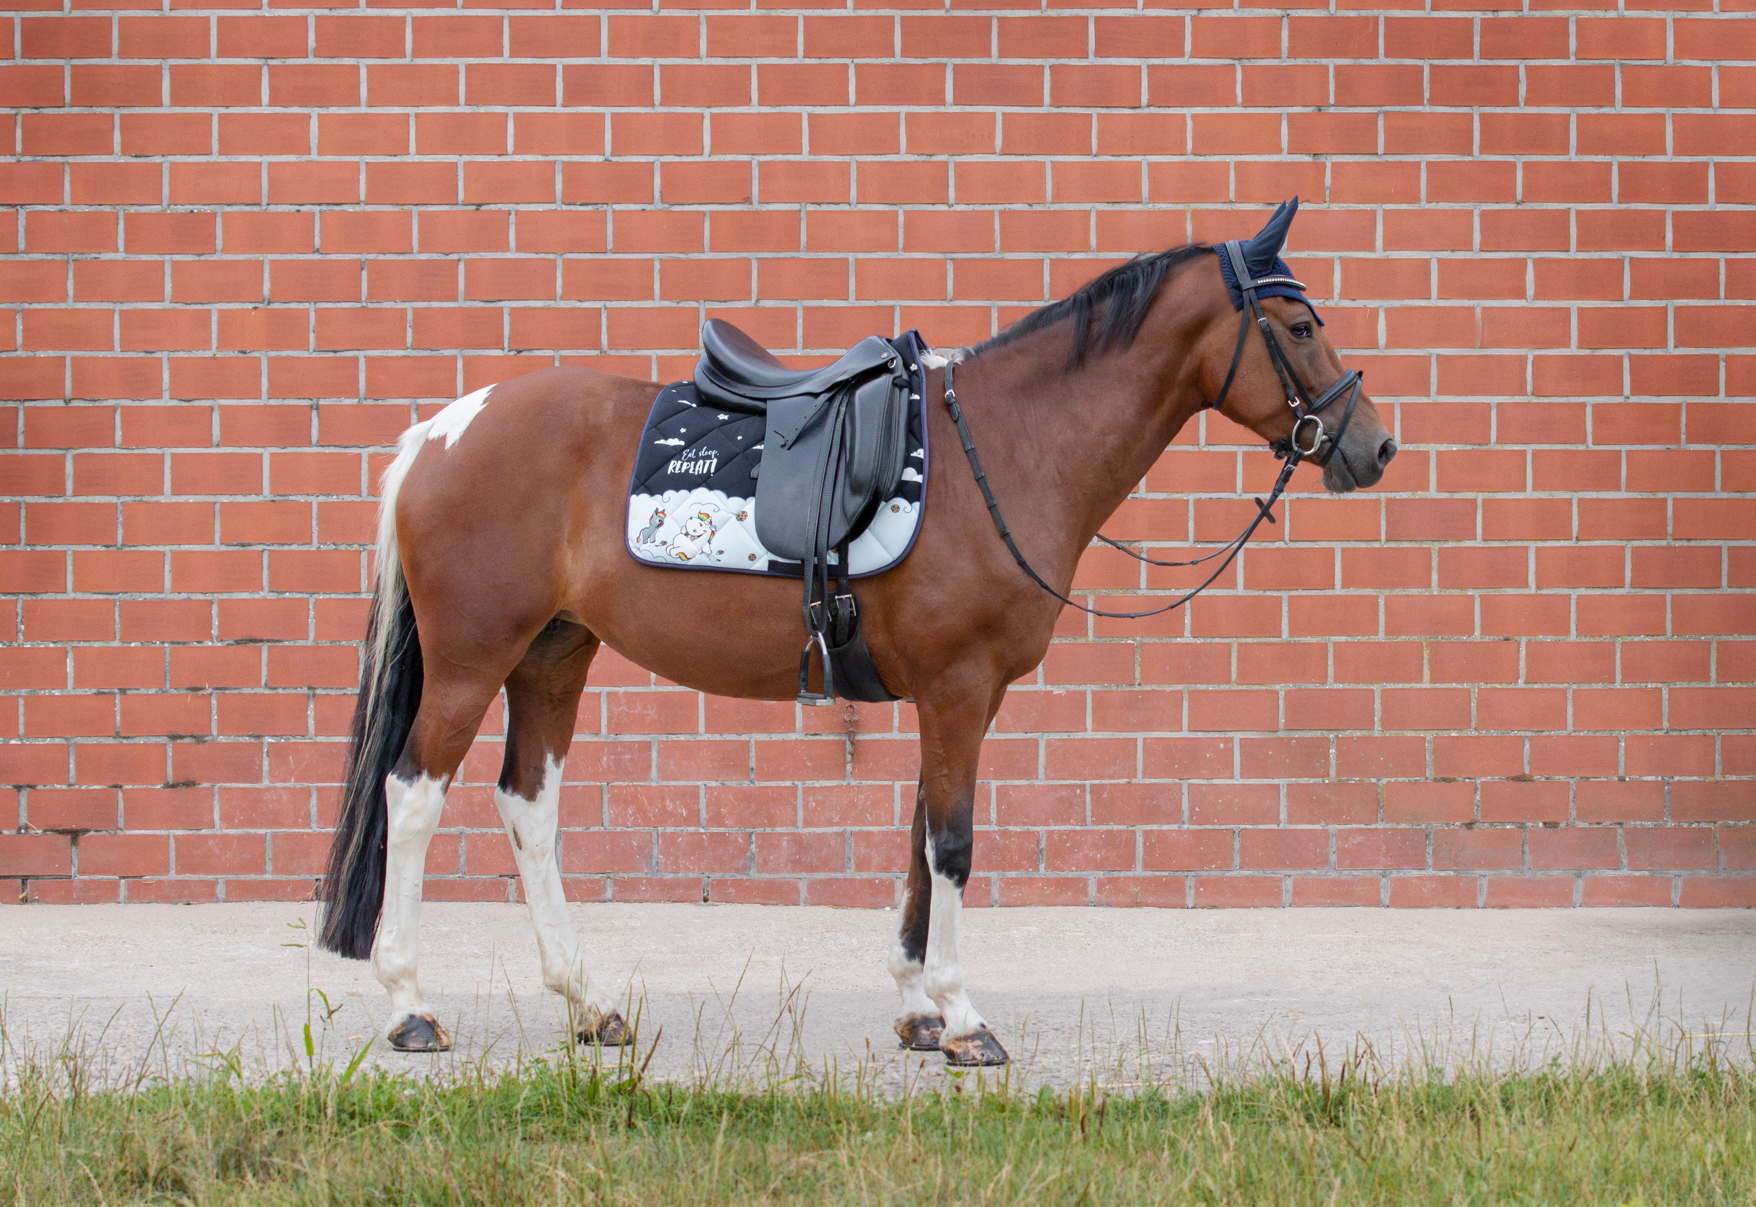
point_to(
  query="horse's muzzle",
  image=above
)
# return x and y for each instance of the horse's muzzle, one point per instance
(1359, 461)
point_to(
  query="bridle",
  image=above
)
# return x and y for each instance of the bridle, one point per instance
(1306, 410)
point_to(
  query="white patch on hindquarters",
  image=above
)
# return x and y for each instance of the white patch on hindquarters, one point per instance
(531, 825)
(413, 808)
(451, 422)
(943, 976)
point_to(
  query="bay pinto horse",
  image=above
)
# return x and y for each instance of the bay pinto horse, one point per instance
(502, 564)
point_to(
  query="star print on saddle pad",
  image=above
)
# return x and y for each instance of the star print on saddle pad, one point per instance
(692, 500)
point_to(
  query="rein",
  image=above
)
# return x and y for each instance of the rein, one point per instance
(1305, 409)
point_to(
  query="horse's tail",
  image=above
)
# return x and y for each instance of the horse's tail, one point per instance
(390, 692)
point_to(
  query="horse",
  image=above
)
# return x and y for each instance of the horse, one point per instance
(502, 565)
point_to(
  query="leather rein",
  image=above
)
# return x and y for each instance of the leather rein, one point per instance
(1307, 411)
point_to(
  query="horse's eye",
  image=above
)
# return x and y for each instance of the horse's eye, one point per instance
(1301, 330)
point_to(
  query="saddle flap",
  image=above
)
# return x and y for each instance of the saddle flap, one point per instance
(796, 461)
(827, 462)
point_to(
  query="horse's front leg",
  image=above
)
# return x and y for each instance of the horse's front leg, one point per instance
(953, 723)
(919, 1026)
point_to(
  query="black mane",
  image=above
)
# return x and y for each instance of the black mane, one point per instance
(1108, 310)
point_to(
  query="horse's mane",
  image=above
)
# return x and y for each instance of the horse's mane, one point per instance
(1108, 310)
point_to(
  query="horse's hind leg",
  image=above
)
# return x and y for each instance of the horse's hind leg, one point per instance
(451, 710)
(542, 701)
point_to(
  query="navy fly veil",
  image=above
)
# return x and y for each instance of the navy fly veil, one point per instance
(1262, 256)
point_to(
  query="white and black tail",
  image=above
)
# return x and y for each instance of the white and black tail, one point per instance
(390, 693)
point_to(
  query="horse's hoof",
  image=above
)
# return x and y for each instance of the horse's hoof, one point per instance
(978, 1049)
(420, 1033)
(610, 1031)
(921, 1032)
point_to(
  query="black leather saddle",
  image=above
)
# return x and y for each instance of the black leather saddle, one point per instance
(737, 372)
(835, 446)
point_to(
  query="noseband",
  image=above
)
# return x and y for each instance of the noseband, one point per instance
(1306, 411)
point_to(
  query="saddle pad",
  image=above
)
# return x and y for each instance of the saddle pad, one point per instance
(692, 500)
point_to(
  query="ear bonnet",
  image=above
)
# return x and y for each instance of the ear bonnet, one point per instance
(1271, 276)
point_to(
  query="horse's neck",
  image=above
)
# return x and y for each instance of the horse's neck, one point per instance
(1077, 441)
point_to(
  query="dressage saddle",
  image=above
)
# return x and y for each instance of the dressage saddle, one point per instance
(835, 446)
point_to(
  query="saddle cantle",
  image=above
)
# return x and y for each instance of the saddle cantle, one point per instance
(835, 445)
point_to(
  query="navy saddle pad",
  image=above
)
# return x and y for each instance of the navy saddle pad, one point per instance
(692, 499)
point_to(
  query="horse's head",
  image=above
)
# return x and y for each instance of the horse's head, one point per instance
(1271, 368)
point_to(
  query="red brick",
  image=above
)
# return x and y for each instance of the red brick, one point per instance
(32, 855)
(1574, 847)
(73, 809)
(1283, 848)
(1527, 892)
(219, 854)
(1669, 847)
(1186, 850)
(1497, 847)
(1380, 848)
(1432, 892)
(1718, 892)
(1237, 892)
(1625, 890)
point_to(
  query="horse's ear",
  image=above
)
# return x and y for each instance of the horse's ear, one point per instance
(1264, 249)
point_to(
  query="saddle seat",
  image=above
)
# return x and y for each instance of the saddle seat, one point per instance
(834, 446)
(737, 372)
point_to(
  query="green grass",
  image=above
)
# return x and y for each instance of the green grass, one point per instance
(1648, 1129)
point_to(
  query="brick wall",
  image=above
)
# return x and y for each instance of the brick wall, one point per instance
(254, 243)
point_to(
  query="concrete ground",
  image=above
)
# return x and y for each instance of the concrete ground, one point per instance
(1117, 996)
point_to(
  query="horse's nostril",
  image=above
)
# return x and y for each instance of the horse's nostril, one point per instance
(1386, 451)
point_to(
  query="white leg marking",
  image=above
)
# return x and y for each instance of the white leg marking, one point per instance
(457, 416)
(414, 808)
(531, 825)
(911, 984)
(944, 977)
